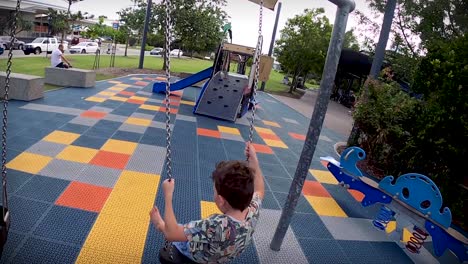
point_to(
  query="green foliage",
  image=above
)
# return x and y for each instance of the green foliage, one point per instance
(61, 21)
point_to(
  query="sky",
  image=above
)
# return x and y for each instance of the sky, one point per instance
(243, 15)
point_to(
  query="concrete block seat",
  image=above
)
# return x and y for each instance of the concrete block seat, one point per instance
(70, 77)
(22, 86)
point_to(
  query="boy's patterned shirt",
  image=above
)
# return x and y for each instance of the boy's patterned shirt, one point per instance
(219, 238)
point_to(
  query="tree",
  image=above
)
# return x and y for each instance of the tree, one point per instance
(21, 25)
(61, 21)
(350, 41)
(303, 45)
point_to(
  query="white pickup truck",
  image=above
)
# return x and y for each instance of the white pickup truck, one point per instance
(40, 45)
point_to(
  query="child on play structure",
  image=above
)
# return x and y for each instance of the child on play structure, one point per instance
(238, 193)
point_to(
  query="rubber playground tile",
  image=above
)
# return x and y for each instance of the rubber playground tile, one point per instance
(37, 133)
(127, 93)
(270, 202)
(62, 137)
(74, 128)
(264, 130)
(61, 223)
(138, 121)
(127, 136)
(106, 93)
(353, 229)
(172, 110)
(274, 170)
(107, 125)
(297, 136)
(13, 242)
(129, 205)
(95, 99)
(275, 143)
(134, 101)
(390, 252)
(84, 121)
(26, 213)
(289, 120)
(84, 196)
(323, 176)
(88, 255)
(110, 159)
(28, 162)
(119, 146)
(208, 208)
(141, 83)
(268, 136)
(16, 179)
(116, 89)
(37, 250)
(325, 206)
(271, 123)
(148, 159)
(185, 102)
(136, 79)
(150, 107)
(20, 143)
(208, 133)
(43, 188)
(45, 148)
(90, 142)
(99, 176)
(262, 148)
(186, 118)
(227, 136)
(323, 251)
(93, 114)
(313, 188)
(172, 102)
(358, 196)
(77, 154)
(118, 98)
(266, 158)
(138, 182)
(229, 130)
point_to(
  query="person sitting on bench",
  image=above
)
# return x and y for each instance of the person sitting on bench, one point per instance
(57, 57)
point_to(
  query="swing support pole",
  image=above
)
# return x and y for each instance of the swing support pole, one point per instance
(344, 7)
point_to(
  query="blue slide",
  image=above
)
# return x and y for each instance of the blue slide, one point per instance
(187, 82)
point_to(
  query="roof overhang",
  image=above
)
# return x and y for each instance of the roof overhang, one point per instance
(35, 6)
(270, 4)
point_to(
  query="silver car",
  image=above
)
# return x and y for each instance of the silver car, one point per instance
(17, 44)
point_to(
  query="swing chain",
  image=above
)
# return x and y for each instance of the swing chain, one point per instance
(5, 109)
(257, 70)
(168, 87)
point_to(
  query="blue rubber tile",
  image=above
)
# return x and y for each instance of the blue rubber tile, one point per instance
(349, 205)
(36, 250)
(248, 256)
(211, 153)
(16, 179)
(287, 157)
(26, 213)
(106, 124)
(100, 132)
(323, 251)
(12, 243)
(90, 142)
(74, 128)
(390, 252)
(123, 111)
(110, 104)
(157, 139)
(11, 154)
(309, 226)
(206, 183)
(278, 184)
(127, 136)
(37, 133)
(43, 188)
(274, 170)
(154, 241)
(21, 143)
(184, 152)
(66, 225)
(269, 201)
(185, 110)
(267, 158)
(360, 252)
(302, 205)
(234, 150)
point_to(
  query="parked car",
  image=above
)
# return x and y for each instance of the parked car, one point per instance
(84, 47)
(176, 52)
(156, 51)
(17, 44)
(39, 45)
(1, 50)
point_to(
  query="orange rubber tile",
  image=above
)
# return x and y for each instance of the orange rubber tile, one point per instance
(324, 163)
(172, 102)
(268, 136)
(171, 110)
(161, 79)
(177, 93)
(262, 148)
(93, 114)
(313, 188)
(134, 101)
(208, 133)
(297, 136)
(84, 196)
(127, 93)
(140, 83)
(110, 160)
(271, 123)
(357, 195)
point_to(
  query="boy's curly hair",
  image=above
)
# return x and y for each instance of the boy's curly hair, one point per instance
(234, 181)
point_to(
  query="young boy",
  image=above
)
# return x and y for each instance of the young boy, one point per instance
(238, 193)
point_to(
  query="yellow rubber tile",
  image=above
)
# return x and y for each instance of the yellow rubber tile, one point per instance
(117, 235)
(129, 205)
(264, 130)
(323, 176)
(208, 208)
(391, 227)
(116, 88)
(325, 206)
(114, 82)
(138, 121)
(28, 162)
(62, 137)
(139, 98)
(270, 123)
(187, 102)
(95, 99)
(78, 154)
(275, 143)
(229, 130)
(118, 98)
(138, 182)
(406, 236)
(105, 93)
(150, 107)
(91, 256)
(123, 85)
(119, 146)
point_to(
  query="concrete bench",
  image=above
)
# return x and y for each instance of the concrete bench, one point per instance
(70, 77)
(22, 86)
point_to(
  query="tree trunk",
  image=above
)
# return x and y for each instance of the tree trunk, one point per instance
(126, 46)
(293, 83)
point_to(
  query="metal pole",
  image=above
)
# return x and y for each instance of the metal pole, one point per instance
(273, 36)
(145, 31)
(316, 122)
(383, 39)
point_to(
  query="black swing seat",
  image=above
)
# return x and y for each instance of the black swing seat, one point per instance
(172, 255)
(4, 226)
